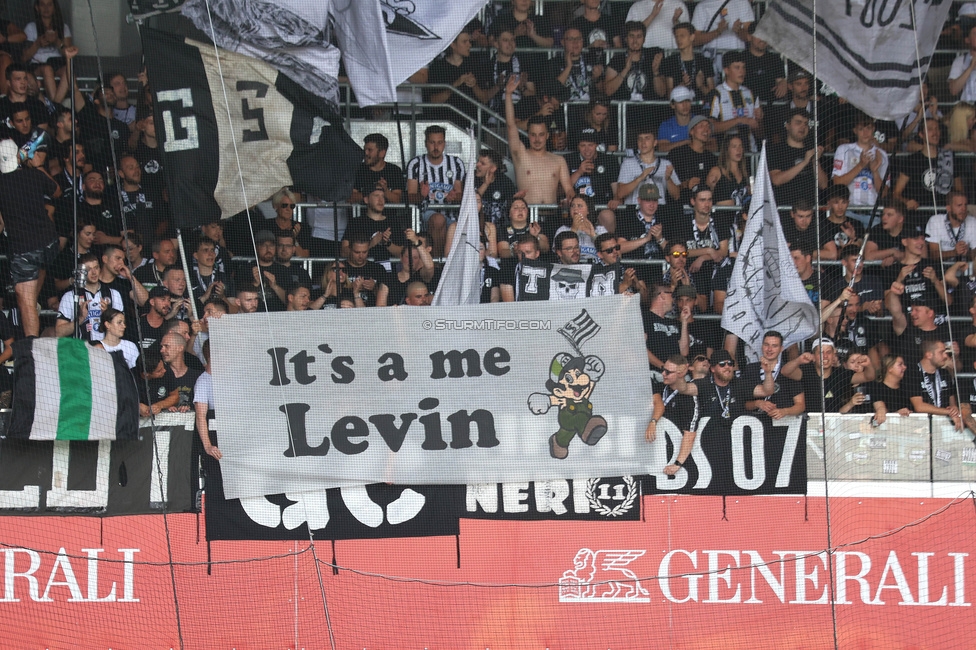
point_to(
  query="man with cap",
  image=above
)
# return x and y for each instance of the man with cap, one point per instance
(384, 233)
(673, 131)
(32, 238)
(640, 233)
(594, 173)
(693, 161)
(644, 168)
(840, 393)
(920, 325)
(800, 85)
(699, 338)
(915, 277)
(716, 393)
(264, 272)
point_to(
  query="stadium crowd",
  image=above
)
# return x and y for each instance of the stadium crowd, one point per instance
(660, 215)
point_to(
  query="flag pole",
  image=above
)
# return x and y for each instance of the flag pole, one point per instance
(186, 273)
(867, 232)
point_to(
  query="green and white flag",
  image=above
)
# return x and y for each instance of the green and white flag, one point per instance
(65, 389)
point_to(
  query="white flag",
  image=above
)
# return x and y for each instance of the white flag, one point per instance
(460, 282)
(865, 50)
(377, 60)
(765, 292)
(381, 42)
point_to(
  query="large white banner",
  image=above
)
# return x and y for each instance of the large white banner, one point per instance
(865, 50)
(418, 395)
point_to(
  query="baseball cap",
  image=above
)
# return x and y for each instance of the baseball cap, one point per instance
(9, 156)
(158, 292)
(682, 94)
(923, 302)
(696, 120)
(685, 291)
(799, 74)
(822, 341)
(588, 135)
(378, 188)
(263, 236)
(649, 192)
(911, 232)
(719, 356)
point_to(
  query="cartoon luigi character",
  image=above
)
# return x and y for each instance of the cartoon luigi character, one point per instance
(571, 382)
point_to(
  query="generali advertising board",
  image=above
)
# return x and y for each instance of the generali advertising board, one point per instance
(694, 572)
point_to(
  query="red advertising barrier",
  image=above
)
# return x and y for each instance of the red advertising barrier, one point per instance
(695, 573)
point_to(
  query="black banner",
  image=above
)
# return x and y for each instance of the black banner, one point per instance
(363, 512)
(101, 479)
(596, 499)
(753, 454)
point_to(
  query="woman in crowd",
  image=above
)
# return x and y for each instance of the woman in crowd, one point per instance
(729, 179)
(888, 396)
(112, 326)
(48, 36)
(518, 225)
(581, 215)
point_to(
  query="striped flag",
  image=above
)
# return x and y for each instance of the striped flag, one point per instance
(65, 389)
(580, 329)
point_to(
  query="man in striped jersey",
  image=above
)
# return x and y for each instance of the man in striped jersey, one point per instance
(433, 179)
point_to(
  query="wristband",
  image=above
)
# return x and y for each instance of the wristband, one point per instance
(679, 463)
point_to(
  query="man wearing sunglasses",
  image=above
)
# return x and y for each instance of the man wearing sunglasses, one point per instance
(660, 332)
(716, 394)
(681, 409)
(607, 276)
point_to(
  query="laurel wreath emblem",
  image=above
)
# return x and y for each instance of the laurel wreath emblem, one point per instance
(618, 509)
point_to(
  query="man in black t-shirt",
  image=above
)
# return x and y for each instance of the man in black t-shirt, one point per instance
(716, 393)
(910, 335)
(794, 167)
(838, 382)
(763, 388)
(174, 390)
(374, 290)
(661, 333)
(592, 173)
(691, 161)
(682, 410)
(884, 239)
(92, 207)
(384, 233)
(929, 383)
(18, 82)
(32, 238)
(374, 170)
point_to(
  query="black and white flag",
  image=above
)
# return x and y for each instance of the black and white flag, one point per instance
(223, 118)
(381, 42)
(765, 292)
(866, 51)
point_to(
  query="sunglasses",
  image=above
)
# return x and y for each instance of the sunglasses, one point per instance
(665, 371)
(725, 364)
(287, 206)
(701, 357)
(611, 249)
(679, 253)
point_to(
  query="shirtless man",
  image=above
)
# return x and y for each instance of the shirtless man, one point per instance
(538, 173)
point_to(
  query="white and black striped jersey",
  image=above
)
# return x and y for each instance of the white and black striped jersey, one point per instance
(441, 177)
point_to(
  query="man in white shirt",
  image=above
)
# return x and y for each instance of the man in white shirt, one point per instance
(722, 25)
(954, 233)
(659, 16)
(861, 165)
(962, 81)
